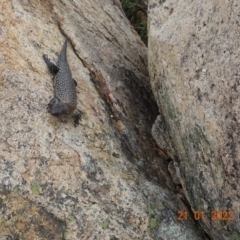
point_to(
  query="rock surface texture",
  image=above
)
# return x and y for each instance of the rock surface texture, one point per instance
(101, 179)
(194, 63)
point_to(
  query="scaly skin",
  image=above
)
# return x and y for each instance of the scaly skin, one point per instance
(64, 102)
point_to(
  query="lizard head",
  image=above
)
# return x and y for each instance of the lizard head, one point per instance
(59, 109)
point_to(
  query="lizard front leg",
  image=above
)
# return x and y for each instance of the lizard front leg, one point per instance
(77, 116)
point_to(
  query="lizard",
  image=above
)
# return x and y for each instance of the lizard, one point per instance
(64, 102)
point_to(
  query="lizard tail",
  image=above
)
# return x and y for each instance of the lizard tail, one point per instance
(63, 55)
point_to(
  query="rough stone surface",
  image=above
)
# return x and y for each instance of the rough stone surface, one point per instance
(103, 179)
(194, 62)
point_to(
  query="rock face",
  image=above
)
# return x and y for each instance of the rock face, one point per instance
(194, 63)
(96, 181)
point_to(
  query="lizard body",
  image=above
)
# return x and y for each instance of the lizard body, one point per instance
(64, 102)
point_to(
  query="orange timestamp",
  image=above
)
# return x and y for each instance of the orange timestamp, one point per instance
(200, 215)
